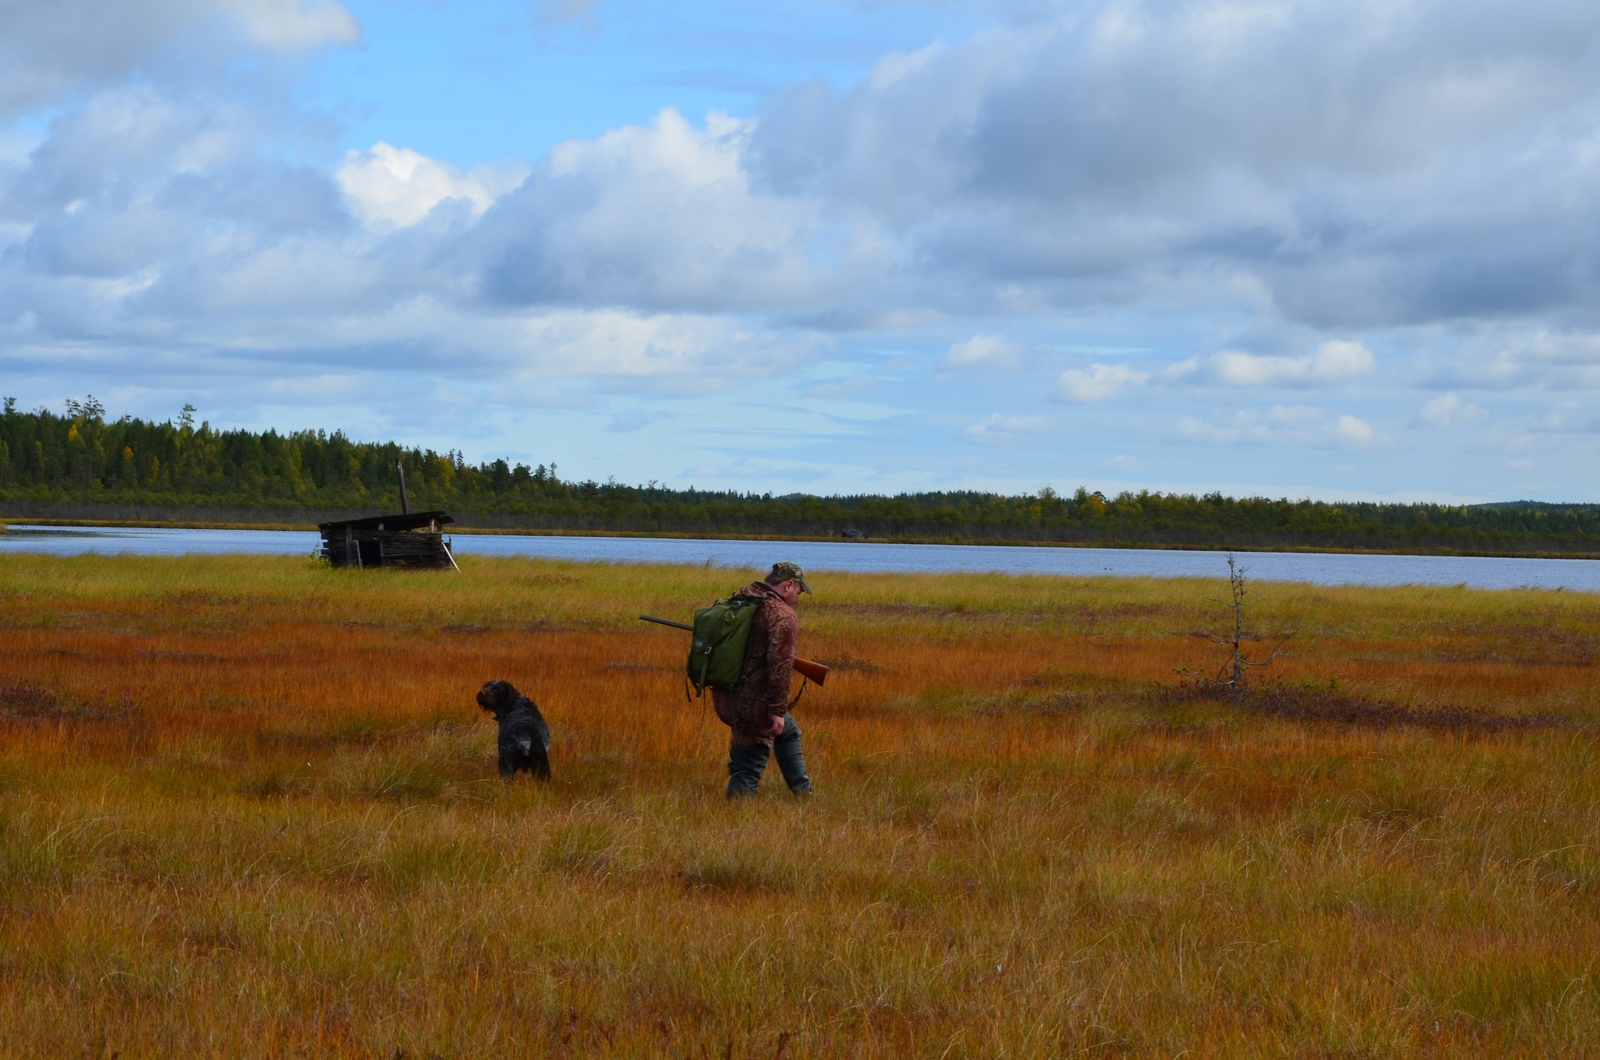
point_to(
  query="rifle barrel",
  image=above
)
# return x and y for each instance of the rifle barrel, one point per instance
(668, 622)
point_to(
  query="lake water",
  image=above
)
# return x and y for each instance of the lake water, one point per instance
(1316, 567)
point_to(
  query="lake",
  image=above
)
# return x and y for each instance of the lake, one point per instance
(1321, 568)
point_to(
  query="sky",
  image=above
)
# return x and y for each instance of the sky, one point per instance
(1339, 249)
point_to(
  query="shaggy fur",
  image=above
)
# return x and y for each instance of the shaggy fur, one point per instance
(524, 736)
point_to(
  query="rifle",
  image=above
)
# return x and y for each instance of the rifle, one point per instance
(812, 671)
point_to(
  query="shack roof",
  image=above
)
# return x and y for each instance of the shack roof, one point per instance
(397, 521)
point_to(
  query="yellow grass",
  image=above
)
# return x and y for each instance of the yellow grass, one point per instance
(248, 807)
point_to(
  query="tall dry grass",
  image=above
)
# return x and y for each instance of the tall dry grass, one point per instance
(248, 808)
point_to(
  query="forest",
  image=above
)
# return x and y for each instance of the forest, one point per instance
(79, 465)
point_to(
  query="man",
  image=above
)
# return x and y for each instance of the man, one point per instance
(758, 710)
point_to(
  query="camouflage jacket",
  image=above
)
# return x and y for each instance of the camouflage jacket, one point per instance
(768, 670)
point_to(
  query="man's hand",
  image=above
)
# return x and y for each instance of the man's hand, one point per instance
(776, 729)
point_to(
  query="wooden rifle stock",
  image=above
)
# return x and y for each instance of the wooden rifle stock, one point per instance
(815, 672)
(811, 671)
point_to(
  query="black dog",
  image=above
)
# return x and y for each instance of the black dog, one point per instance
(524, 736)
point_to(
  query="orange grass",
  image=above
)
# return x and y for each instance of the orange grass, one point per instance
(248, 807)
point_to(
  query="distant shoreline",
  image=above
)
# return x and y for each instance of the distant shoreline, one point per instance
(204, 524)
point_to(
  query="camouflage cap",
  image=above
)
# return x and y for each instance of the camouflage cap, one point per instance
(785, 571)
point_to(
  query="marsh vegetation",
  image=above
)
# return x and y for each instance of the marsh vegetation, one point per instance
(249, 807)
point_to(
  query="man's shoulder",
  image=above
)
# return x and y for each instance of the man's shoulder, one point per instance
(773, 606)
(778, 612)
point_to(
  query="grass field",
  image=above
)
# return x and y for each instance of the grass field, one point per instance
(249, 808)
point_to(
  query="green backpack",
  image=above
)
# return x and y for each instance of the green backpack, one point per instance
(721, 641)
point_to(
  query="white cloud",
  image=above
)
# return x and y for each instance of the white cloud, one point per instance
(1564, 417)
(1337, 359)
(896, 66)
(1354, 431)
(1246, 369)
(1449, 410)
(1180, 370)
(54, 47)
(1510, 355)
(390, 187)
(293, 24)
(1576, 349)
(659, 217)
(147, 221)
(1097, 382)
(696, 350)
(607, 349)
(1334, 361)
(1282, 426)
(981, 351)
(1422, 171)
(999, 428)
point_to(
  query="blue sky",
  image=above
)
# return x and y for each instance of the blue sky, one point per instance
(1291, 247)
(469, 82)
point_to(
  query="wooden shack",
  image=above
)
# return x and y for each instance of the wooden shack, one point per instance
(410, 539)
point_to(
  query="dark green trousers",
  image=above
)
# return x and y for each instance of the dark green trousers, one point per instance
(746, 764)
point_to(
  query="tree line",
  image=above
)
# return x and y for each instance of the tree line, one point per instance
(80, 464)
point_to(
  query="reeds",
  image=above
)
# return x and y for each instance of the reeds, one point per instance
(248, 807)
